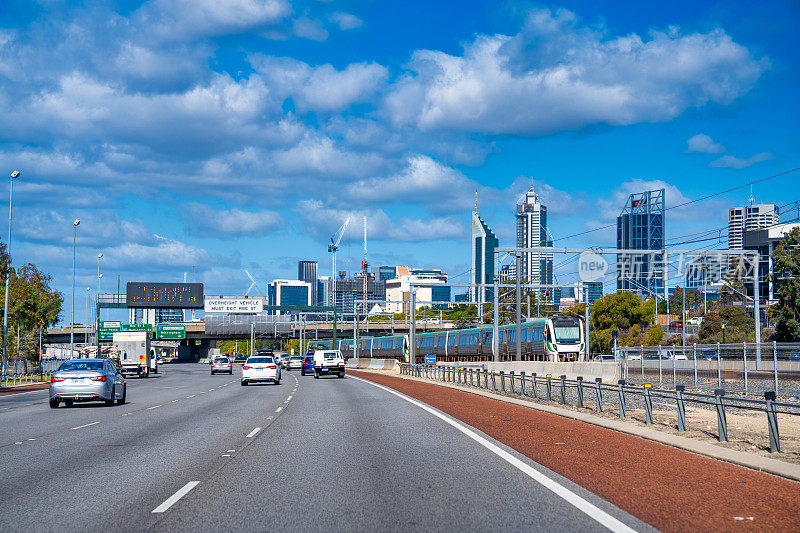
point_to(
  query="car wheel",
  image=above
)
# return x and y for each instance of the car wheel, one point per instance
(53, 404)
(277, 381)
(316, 375)
(230, 372)
(68, 403)
(341, 374)
(110, 402)
(244, 383)
(121, 401)
(302, 372)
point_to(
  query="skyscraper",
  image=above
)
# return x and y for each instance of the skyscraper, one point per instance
(640, 226)
(484, 243)
(307, 271)
(535, 267)
(749, 218)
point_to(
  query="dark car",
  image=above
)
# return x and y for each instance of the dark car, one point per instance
(240, 358)
(308, 365)
(676, 324)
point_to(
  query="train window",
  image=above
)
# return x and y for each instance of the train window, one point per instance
(487, 337)
(451, 340)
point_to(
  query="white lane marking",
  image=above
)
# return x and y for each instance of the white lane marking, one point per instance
(269, 418)
(192, 396)
(279, 409)
(226, 455)
(591, 510)
(231, 451)
(86, 425)
(20, 442)
(172, 500)
(290, 397)
(31, 439)
(173, 401)
(253, 433)
(154, 407)
(202, 392)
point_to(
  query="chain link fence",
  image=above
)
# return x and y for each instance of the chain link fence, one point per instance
(734, 367)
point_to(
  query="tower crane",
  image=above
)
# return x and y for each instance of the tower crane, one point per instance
(332, 247)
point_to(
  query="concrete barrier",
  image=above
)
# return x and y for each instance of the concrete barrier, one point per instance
(373, 364)
(589, 370)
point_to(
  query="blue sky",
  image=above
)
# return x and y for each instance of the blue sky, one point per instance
(213, 136)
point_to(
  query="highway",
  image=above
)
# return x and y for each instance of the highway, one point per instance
(191, 451)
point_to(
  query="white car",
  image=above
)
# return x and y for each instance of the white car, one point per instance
(295, 362)
(328, 362)
(260, 368)
(695, 321)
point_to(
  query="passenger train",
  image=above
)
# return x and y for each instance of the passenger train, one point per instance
(557, 338)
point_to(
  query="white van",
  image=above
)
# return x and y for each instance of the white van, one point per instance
(328, 362)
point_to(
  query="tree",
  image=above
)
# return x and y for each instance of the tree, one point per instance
(786, 268)
(740, 326)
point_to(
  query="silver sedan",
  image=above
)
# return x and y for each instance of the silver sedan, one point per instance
(87, 380)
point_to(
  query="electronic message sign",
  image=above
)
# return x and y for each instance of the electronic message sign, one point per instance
(164, 295)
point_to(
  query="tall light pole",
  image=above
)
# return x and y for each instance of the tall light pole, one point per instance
(72, 317)
(14, 174)
(86, 323)
(97, 307)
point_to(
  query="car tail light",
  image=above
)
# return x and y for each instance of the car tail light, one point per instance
(99, 378)
(272, 366)
(56, 379)
(246, 367)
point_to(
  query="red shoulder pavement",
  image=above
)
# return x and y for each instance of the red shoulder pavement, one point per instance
(669, 488)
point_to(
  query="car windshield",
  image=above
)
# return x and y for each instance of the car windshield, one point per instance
(567, 333)
(309, 359)
(88, 365)
(260, 360)
(221, 360)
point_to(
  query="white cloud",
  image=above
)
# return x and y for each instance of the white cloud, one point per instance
(206, 221)
(611, 207)
(704, 144)
(345, 21)
(309, 28)
(555, 75)
(317, 155)
(729, 161)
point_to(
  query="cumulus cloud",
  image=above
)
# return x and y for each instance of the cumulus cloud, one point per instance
(555, 75)
(206, 221)
(704, 144)
(345, 21)
(729, 161)
(321, 220)
(610, 207)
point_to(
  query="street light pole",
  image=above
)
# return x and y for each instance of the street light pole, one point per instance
(14, 174)
(86, 322)
(72, 317)
(97, 307)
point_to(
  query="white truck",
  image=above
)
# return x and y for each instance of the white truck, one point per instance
(134, 352)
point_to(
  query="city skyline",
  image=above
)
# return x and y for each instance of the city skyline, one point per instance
(220, 145)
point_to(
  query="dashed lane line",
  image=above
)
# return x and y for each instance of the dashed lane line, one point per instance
(192, 396)
(154, 407)
(86, 425)
(253, 433)
(172, 500)
(279, 409)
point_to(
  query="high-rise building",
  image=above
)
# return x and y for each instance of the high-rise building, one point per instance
(324, 290)
(350, 291)
(155, 316)
(535, 267)
(484, 242)
(384, 273)
(640, 226)
(595, 290)
(307, 271)
(749, 218)
(764, 241)
(288, 292)
(430, 284)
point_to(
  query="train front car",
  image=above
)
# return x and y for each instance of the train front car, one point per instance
(565, 339)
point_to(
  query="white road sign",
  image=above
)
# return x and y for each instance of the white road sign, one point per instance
(234, 305)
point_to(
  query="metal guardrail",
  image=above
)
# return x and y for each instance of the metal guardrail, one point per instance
(556, 389)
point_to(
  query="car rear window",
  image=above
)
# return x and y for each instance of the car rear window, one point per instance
(331, 355)
(260, 360)
(296, 359)
(221, 360)
(91, 366)
(309, 359)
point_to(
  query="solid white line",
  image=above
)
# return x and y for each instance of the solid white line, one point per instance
(192, 396)
(591, 510)
(172, 500)
(154, 407)
(253, 433)
(279, 409)
(86, 425)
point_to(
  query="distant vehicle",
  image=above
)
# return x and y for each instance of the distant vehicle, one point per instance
(87, 380)
(160, 361)
(239, 358)
(695, 321)
(676, 324)
(607, 357)
(794, 355)
(308, 365)
(710, 355)
(634, 357)
(680, 357)
(260, 368)
(134, 351)
(295, 362)
(221, 364)
(328, 362)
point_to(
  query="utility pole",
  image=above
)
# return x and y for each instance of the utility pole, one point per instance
(519, 310)
(586, 318)
(496, 321)
(413, 327)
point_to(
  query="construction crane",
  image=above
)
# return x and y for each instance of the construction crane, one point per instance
(332, 247)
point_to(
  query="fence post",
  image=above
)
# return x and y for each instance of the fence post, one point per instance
(512, 381)
(660, 376)
(522, 382)
(580, 391)
(648, 404)
(598, 394)
(471, 381)
(681, 407)
(719, 368)
(621, 383)
(772, 422)
(722, 423)
(533, 385)
(694, 358)
(486, 378)
(563, 389)
(744, 357)
(775, 364)
(494, 383)
(502, 381)
(549, 389)
(641, 360)
(674, 366)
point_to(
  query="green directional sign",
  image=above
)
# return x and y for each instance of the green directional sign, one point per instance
(168, 332)
(137, 327)
(108, 327)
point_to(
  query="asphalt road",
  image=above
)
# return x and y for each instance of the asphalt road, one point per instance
(306, 455)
